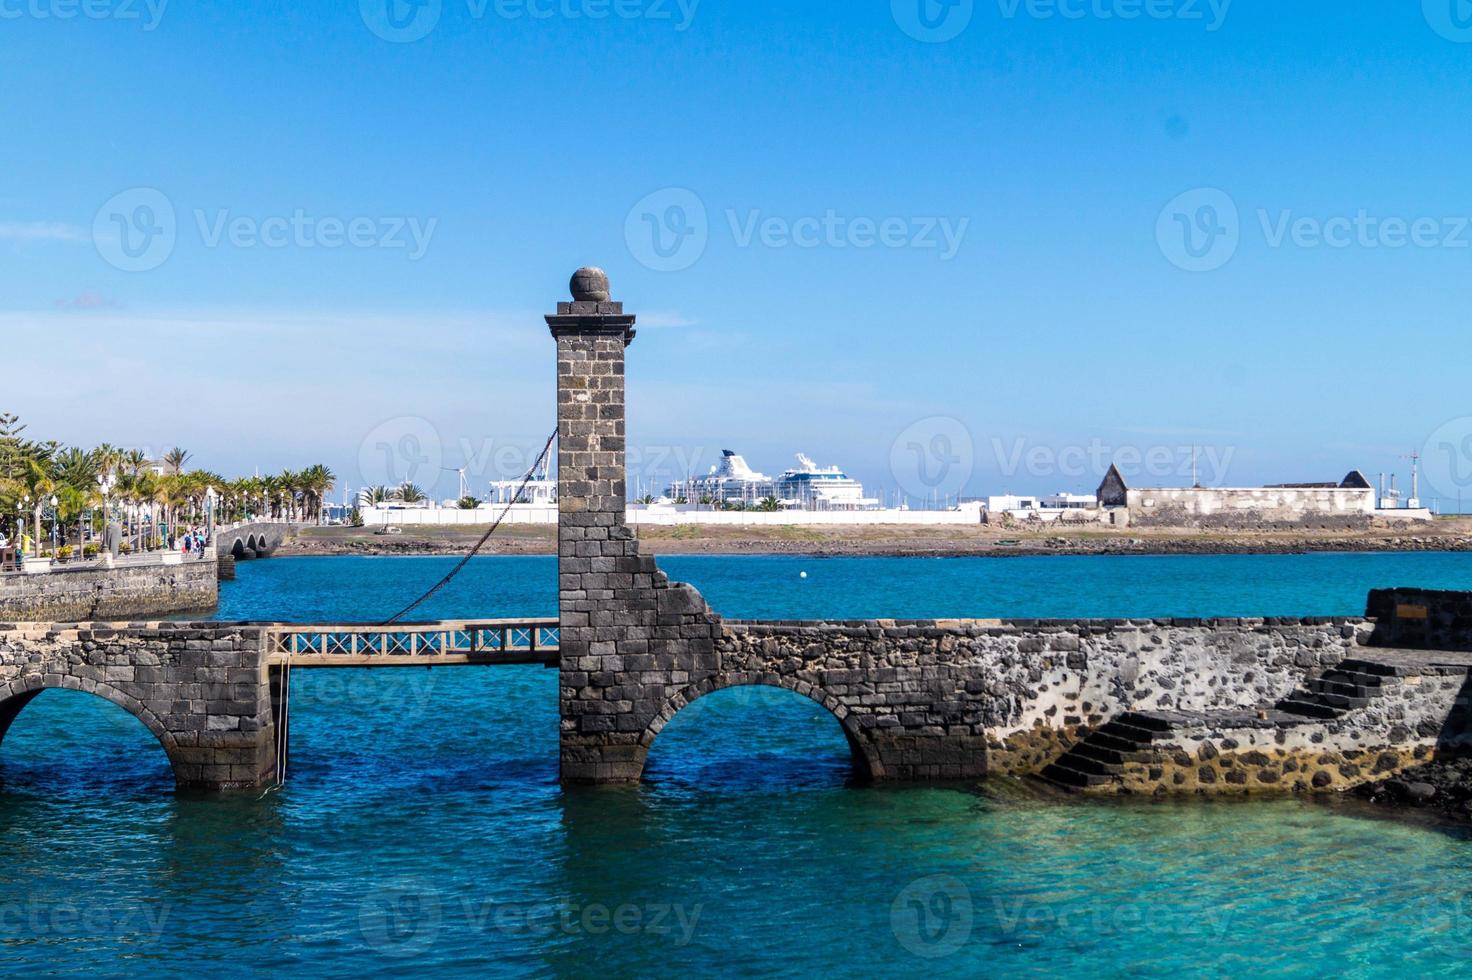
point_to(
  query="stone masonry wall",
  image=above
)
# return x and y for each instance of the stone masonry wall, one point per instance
(1419, 716)
(629, 637)
(1249, 509)
(201, 689)
(1424, 619)
(963, 699)
(123, 592)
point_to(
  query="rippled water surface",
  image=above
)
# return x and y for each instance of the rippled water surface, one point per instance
(422, 830)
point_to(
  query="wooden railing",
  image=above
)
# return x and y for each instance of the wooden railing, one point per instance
(454, 642)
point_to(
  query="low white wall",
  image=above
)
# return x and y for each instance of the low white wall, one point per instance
(443, 517)
(803, 518)
(529, 514)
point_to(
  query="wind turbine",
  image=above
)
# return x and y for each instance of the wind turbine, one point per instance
(464, 484)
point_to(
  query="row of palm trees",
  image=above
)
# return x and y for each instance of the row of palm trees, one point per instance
(72, 491)
(407, 493)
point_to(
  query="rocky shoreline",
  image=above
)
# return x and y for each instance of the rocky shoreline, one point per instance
(1442, 788)
(870, 542)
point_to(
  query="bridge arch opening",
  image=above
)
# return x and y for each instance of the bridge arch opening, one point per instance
(237, 550)
(69, 740)
(753, 734)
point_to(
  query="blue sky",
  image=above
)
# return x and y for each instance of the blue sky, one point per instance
(954, 263)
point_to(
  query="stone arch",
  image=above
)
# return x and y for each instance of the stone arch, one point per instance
(237, 550)
(14, 697)
(867, 764)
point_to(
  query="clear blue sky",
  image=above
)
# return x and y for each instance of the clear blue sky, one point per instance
(1061, 321)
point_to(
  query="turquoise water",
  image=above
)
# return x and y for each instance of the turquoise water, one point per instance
(326, 589)
(422, 830)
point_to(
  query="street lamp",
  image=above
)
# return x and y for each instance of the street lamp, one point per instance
(210, 496)
(55, 518)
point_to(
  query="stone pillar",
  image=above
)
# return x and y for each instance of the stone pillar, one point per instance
(631, 641)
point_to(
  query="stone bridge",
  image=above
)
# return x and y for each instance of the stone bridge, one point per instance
(916, 701)
(252, 539)
(1131, 705)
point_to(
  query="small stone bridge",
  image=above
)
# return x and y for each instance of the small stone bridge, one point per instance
(1290, 703)
(252, 539)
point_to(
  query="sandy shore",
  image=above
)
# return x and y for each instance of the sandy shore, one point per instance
(1443, 535)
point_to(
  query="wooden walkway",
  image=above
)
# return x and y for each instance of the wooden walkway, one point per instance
(449, 643)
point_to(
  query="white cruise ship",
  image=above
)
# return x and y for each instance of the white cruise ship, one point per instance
(804, 487)
(731, 480)
(813, 488)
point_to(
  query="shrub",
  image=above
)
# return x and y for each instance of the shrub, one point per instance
(64, 552)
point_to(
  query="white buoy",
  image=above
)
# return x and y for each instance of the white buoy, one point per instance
(802, 574)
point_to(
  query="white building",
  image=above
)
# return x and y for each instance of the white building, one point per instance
(539, 491)
(1048, 507)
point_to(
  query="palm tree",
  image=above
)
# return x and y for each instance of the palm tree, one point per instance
(174, 461)
(78, 468)
(173, 492)
(39, 482)
(468, 503)
(409, 494)
(319, 481)
(769, 505)
(133, 462)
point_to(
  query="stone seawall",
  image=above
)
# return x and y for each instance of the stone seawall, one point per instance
(964, 699)
(123, 592)
(1420, 713)
(201, 689)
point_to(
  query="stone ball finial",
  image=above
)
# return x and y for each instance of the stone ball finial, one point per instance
(590, 285)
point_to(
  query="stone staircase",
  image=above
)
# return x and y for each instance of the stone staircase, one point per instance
(1353, 684)
(1100, 758)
